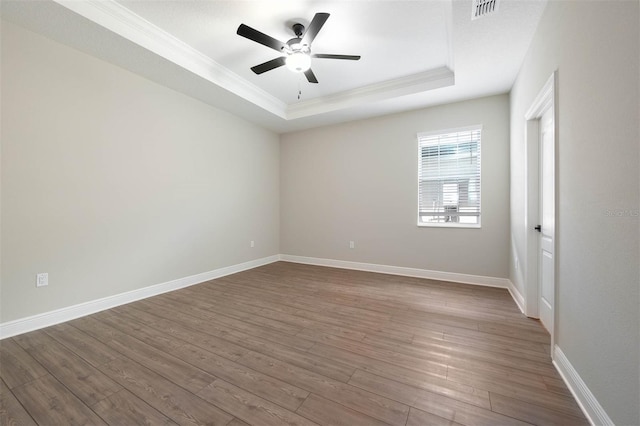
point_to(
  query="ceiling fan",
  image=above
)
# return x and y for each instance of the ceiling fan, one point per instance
(297, 51)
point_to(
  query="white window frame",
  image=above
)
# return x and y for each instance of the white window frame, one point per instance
(423, 135)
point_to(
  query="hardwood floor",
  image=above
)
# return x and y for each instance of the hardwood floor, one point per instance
(289, 344)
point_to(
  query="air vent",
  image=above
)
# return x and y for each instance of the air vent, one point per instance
(482, 8)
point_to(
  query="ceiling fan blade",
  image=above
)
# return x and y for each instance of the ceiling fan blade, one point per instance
(269, 65)
(314, 28)
(311, 77)
(327, 56)
(255, 35)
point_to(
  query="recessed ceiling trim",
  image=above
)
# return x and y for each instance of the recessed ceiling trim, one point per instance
(416, 83)
(182, 67)
(448, 27)
(120, 20)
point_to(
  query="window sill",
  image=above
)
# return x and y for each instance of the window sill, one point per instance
(450, 225)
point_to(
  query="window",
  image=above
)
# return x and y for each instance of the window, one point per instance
(449, 178)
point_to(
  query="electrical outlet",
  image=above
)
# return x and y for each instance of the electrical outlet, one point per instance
(252, 243)
(42, 279)
(352, 244)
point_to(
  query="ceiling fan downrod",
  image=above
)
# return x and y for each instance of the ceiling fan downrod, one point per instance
(298, 29)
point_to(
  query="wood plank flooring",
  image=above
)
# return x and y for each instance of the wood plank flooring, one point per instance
(289, 344)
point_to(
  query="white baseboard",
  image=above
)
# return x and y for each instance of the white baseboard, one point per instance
(398, 270)
(24, 325)
(586, 400)
(516, 295)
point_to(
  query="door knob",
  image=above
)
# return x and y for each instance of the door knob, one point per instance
(538, 228)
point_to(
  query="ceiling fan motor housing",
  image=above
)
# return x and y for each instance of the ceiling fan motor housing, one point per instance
(296, 45)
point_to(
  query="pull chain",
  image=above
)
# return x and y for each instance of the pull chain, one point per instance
(299, 89)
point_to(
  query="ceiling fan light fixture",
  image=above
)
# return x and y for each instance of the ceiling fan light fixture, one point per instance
(298, 61)
(295, 53)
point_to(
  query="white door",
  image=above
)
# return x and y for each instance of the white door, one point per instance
(546, 274)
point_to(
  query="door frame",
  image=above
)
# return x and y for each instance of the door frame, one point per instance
(546, 98)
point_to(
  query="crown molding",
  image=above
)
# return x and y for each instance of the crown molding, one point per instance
(122, 21)
(415, 83)
(125, 23)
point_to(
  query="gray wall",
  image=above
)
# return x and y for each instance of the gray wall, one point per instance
(358, 181)
(111, 182)
(594, 47)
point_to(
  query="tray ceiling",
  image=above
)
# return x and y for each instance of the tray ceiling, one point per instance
(414, 53)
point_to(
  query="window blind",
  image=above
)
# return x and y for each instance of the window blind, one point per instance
(449, 177)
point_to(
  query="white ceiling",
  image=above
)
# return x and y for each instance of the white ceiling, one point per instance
(414, 53)
(375, 30)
